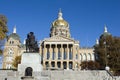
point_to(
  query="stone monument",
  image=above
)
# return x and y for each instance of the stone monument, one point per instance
(31, 59)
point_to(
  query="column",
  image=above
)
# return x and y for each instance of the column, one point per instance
(78, 54)
(50, 50)
(71, 51)
(67, 64)
(56, 52)
(56, 64)
(40, 50)
(44, 66)
(74, 55)
(74, 52)
(73, 66)
(45, 51)
(61, 64)
(49, 63)
(61, 51)
(68, 51)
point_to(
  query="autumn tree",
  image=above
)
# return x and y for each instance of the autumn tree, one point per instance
(16, 61)
(89, 65)
(3, 31)
(108, 52)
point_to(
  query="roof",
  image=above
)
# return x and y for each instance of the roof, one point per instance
(105, 34)
(14, 36)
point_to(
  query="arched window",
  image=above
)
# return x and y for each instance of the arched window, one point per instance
(12, 42)
(10, 51)
(76, 56)
(80, 57)
(88, 57)
(8, 66)
(92, 57)
(84, 58)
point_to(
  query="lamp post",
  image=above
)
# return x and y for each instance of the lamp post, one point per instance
(106, 66)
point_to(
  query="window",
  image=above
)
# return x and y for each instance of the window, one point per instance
(53, 54)
(76, 56)
(93, 56)
(80, 57)
(10, 59)
(70, 54)
(65, 56)
(84, 57)
(10, 51)
(11, 42)
(59, 55)
(88, 57)
(48, 53)
(8, 66)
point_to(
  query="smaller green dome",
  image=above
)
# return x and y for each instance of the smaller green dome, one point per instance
(14, 36)
(105, 33)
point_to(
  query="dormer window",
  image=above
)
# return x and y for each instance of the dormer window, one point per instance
(11, 42)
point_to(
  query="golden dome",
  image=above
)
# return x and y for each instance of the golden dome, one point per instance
(60, 22)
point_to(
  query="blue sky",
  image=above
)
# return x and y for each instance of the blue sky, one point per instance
(86, 17)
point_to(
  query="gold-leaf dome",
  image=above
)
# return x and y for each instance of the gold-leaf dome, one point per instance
(60, 21)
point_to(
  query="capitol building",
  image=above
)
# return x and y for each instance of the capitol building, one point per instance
(59, 57)
(59, 51)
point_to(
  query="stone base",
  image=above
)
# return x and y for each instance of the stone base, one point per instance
(32, 60)
(27, 78)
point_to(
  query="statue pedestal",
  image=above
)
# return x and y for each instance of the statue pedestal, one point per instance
(27, 78)
(32, 60)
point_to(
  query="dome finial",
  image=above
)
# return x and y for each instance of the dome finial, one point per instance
(105, 29)
(24, 42)
(60, 14)
(14, 29)
(97, 42)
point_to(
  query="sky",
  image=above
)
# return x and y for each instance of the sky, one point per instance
(85, 17)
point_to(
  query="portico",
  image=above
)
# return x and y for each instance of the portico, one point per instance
(59, 52)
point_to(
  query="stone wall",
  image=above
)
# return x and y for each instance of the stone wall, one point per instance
(60, 75)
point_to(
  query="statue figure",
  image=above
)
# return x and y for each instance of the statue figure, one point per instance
(31, 44)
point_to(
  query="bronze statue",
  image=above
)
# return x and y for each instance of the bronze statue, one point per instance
(31, 44)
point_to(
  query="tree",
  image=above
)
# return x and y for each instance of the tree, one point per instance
(3, 31)
(89, 65)
(108, 53)
(16, 61)
(3, 27)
